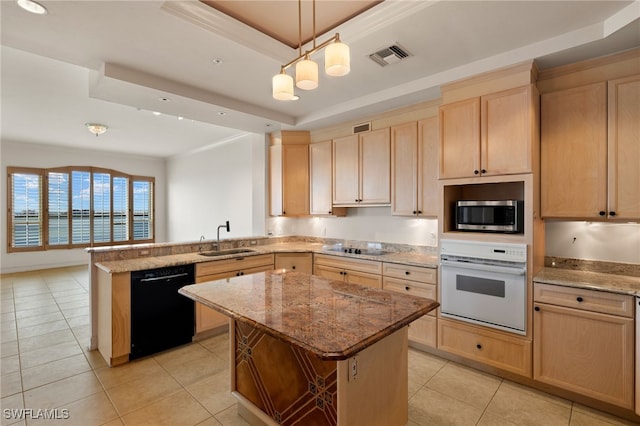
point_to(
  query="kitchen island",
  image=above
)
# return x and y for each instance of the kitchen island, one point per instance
(309, 350)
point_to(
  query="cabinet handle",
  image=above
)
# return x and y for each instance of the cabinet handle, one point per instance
(612, 213)
(414, 212)
(601, 213)
(407, 272)
(293, 267)
(479, 346)
(579, 299)
(407, 288)
(356, 200)
(329, 211)
(475, 172)
(537, 309)
(419, 211)
(483, 171)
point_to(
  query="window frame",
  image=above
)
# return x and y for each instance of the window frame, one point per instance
(11, 171)
(44, 207)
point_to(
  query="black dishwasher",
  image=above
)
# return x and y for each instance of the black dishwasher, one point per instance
(161, 318)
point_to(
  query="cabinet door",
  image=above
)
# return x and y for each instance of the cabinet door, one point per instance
(299, 262)
(424, 331)
(345, 170)
(584, 352)
(404, 169)
(508, 121)
(375, 167)
(624, 148)
(320, 177)
(574, 152)
(295, 180)
(207, 318)
(275, 180)
(460, 139)
(428, 167)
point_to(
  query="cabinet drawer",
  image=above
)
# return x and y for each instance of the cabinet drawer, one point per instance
(413, 273)
(231, 274)
(423, 331)
(362, 265)
(588, 300)
(410, 287)
(492, 348)
(235, 264)
(299, 262)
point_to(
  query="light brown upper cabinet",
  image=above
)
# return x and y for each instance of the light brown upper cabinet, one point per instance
(361, 169)
(414, 173)
(623, 169)
(320, 180)
(590, 157)
(289, 174)
(490, 135)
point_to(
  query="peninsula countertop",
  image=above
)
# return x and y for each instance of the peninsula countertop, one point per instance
(152, 262)
(331, 319)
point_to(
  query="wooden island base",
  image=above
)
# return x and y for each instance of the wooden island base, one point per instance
(277, 382)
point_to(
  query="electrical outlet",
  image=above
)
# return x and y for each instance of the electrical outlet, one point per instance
(353, 369)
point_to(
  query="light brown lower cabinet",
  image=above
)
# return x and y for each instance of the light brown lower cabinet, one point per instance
(355, 271)
(495, 348)
(417, 281)
(587, 350)
(208, 319)
(298, 262)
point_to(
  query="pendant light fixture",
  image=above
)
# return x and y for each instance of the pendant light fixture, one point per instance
(336, 63)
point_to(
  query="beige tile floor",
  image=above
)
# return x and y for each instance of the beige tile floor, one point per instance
(45, 365)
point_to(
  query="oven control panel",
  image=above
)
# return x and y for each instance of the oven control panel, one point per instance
(508, 252)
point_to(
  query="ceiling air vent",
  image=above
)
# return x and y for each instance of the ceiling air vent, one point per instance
(362, 127)
(390, 55)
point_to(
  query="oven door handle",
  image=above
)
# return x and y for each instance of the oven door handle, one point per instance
(483, 267)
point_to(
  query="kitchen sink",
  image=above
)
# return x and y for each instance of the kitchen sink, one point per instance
(225, 252)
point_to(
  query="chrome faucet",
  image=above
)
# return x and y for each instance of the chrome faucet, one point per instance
(226, 225)
(200, 242)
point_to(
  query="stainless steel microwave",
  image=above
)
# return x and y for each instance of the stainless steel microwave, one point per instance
(490, 216)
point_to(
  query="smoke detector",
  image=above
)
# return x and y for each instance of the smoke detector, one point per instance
(390, 55)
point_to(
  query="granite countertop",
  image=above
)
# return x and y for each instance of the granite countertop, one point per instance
(623, 284)
(152, 262)
(332, 319)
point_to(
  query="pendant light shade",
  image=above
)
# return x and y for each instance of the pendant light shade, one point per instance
(306, 74)
(337, 61)
(282, 86)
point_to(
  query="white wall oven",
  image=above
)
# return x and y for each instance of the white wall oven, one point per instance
(484, 283)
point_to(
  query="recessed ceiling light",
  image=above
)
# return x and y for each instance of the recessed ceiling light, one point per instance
(164, 99)
(33, 7)
(156, 113)
(222, 113)
(180, 118)
(217, 61)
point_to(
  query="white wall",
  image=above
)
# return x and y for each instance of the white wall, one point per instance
(21, 154)
(363, 224)
(225, 181)
(613, 242)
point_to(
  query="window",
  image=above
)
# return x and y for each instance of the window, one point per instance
(25, 209)
(77, 207)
